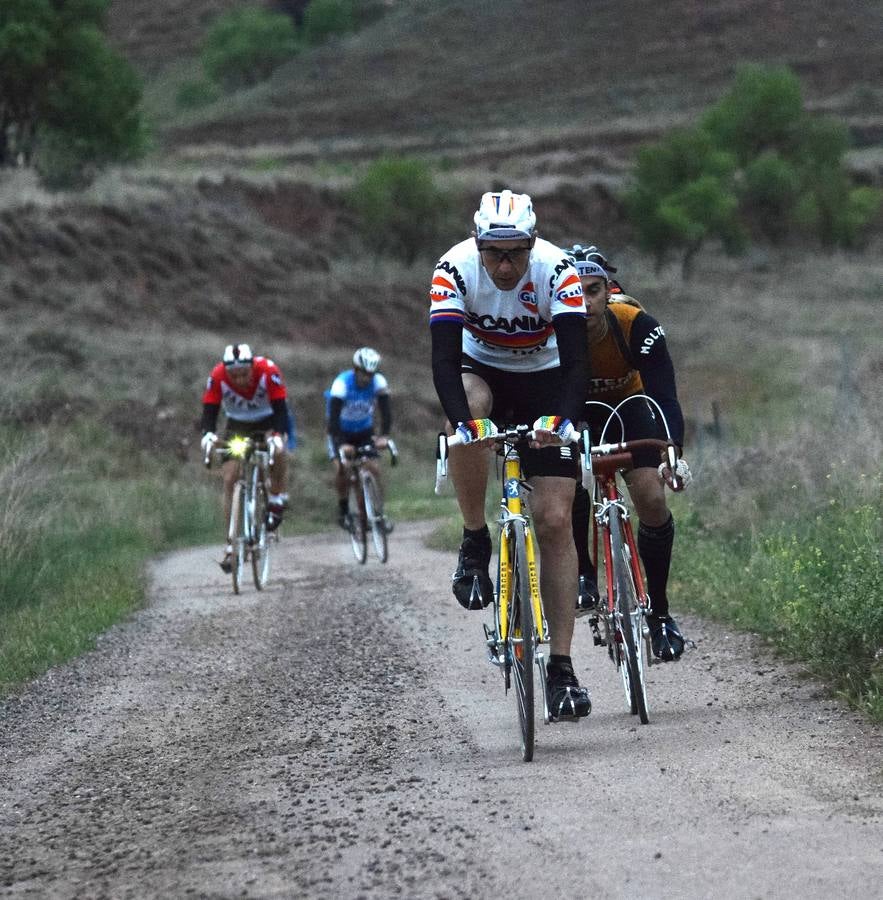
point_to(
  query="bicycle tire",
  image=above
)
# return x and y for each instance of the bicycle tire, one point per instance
(522, 638)
(236, 536)
(630, 624)
(374, 515)
(358, 537)
(260, 546)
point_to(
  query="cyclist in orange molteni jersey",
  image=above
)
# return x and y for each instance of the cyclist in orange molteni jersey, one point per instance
(629, 356)
(508, 347)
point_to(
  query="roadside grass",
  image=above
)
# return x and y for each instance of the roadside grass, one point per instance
(79, 525)
(783, 539)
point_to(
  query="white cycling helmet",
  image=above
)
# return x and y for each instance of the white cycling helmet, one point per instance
(367, 359)
(238, 356)
(504, 216)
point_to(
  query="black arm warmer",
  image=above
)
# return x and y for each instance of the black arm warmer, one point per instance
(653, 361)
(447, 352)
(385, 408)
(280, 416)
(210, 416)
(570, 331)
(334, 408)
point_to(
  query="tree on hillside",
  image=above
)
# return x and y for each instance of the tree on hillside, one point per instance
(67, 101)
(757, 163)
(245, 45)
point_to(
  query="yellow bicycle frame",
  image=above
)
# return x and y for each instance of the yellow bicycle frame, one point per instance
(511, 507)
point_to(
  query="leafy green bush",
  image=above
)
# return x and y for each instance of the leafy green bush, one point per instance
(245, 45)
(326, 18)
(196, 93)
(69, 101)
(400, 209)
(756, 162)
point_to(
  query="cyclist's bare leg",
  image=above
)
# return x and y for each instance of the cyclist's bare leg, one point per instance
(279, 473)
(468, 466)
(373, 466)
(648, 496)
(550, 505)
(229, 472)
(341, 483)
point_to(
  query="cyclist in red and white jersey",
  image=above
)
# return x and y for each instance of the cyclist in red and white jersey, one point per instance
(251, 391)
(508, 347)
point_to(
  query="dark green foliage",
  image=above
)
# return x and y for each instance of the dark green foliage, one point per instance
(400, 209)
(245, 45)
(66, 98)
(325, 18)
(757, 163)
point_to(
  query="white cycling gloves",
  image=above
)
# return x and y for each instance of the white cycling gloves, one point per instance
(277, 442)
(681, 472)
(209, 439)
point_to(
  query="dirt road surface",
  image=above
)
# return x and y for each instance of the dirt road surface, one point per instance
(340, 735)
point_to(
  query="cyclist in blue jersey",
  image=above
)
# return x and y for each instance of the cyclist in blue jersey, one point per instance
(353, 398)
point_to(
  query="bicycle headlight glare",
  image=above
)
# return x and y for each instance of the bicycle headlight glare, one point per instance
(237, 446)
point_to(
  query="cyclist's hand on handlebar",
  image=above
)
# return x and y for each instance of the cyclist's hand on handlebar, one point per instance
(348, 451)
(209, 439)
(680, 479)
(476, 430)
(553, 430)
(381, 441)
(277, 441)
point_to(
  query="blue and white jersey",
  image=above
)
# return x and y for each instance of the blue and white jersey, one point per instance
(357, 412)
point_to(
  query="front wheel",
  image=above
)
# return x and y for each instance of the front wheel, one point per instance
(260, 548)
(374, 514)
(522, 640)
(629, 619)
(358, 537)
(236, 535)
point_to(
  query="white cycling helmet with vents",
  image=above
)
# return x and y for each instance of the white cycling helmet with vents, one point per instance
(504, 216)
(238, 356)
(367, 359)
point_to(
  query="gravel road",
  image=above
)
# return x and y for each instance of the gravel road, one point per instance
(340, 735)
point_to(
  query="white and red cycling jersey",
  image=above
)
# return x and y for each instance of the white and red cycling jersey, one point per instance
(509, 330)
(253, 404)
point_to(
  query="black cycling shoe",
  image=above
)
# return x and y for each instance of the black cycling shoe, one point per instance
(588, 598)
(471, 584)
(567, 700)
(665, 638)
(226, 563)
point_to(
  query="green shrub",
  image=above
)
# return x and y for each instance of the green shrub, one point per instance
(400, 209)
(196, 93)
(245, 45)
(326, 18)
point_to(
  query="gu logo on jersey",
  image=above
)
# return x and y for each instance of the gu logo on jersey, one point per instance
(442, 290)
(651, 339)
(527, 296)
(570, 293)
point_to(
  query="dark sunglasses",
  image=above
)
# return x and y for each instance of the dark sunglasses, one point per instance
(495, 256)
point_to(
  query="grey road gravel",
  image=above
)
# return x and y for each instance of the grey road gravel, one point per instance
(340, 735)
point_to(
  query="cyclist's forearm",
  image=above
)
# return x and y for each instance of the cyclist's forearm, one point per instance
(280, 416)
(570, 331)
(334, 409)
(447, 338)
(385, 408)
(659, 383)
(209, 416)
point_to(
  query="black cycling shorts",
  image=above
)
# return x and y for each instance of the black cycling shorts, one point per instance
(640, 421)
(356, 438)
(255, 430)
(520, 398)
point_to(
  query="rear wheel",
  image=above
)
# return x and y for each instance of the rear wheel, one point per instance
(358, 538)
(236, 535)
(374, 514)
(522, 640)
(260, 548)
(630, 623)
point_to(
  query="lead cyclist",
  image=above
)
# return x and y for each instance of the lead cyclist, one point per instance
(508, 347)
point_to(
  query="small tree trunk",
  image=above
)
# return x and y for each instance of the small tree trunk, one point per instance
(687, 261)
